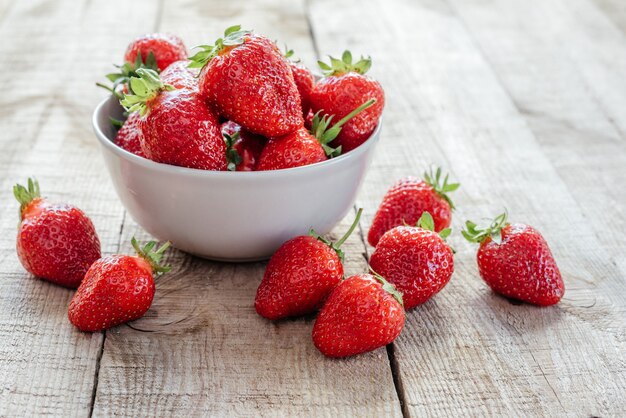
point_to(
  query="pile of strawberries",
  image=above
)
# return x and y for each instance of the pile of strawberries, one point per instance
(240, 104)
(247, 109)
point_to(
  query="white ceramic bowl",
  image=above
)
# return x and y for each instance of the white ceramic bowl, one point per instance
(230, 216)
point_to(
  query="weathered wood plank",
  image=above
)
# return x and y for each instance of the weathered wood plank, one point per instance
(53, 52)
(468, 351)
(202, 349)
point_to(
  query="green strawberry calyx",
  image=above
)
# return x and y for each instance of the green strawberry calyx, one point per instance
(152, 256)
(145, 86)
(440, 185)
(25, 195)
(232, 156)
(345, 65)
(427, 222)
(473, 233)
(233, 36)
(126, 71)
(336, 245)
(388, 287)
(325, 133)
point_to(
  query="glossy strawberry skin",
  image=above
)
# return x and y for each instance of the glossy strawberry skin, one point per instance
(57, 242)
(252, 85)
(129, 135)
(404, 203)
(179, 75)
(249, 146)
(293, 150)
(298, 278)
(304, 80)
(167, 48)
(179, 129)
(521, 267)
(359, 316)
(416, 261)
(339, 95)
(116, 289)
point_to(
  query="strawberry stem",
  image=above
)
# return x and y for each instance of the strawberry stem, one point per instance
(345, 65)
(441, 186)
(477, 235)
(26, 195)
(152, 257)
(336, 245)
(427, 222)
(233, 36)
(388, 287)
(233, 157)
(320, 128)
(128, 70)
(145, 87)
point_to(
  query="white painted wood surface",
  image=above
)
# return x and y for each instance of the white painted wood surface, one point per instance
(522, 101)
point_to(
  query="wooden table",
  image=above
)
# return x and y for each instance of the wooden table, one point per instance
(523, 101)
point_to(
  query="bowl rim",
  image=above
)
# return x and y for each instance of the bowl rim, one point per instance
(173, 169)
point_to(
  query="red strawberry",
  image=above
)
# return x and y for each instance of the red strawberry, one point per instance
(304, 147)
(246, 78)
(515, 261)
(243, 148)
(178, 128)
(416, 260)
(117, 289)
(165, 47)
(344, 88)
(406, 201)
(304, 81)
(362, 314)
(55, 241)
(129, 135)
(300, 275)
(179, 75)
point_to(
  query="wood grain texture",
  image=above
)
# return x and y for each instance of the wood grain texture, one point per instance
(468, 351)
(202, 350)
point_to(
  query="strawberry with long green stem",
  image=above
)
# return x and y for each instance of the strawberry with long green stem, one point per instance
(304, 147)
(301, 274)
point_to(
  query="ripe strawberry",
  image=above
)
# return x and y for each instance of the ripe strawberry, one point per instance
(117, 289)
(129, 135)
(415, 259)
(243, 148)
(304, 82)
(179, 75)
(515, 261)
(344, 88)
(55, 241)
(304, 147)
(246, 78)
(178, 128)
(406, 201)
(362, 314)
(165, 47)
(300, 275)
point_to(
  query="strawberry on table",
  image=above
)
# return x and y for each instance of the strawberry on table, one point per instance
(304, 81)
(179, 75)
(515, 261)
(344, 87)
(55, 241)
(362, 314)
(415, 259)
(300, 275)
(406, 201)
(178, 128)
(129, 135)
(304, 147)
(165, 47)
(243, 148)
(117, 289)
(248, 80)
